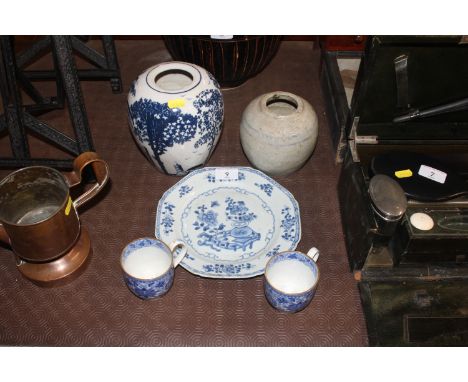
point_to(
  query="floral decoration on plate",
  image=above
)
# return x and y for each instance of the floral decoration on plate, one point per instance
(233, 219)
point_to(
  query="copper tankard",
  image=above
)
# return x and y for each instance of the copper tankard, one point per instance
(37, 215)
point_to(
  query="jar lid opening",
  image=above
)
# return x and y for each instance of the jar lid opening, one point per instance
(282, 104)
(173, 77)
(174, 80)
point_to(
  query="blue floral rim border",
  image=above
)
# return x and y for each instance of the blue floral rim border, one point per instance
(285, 191)
(303, 258)
(142, 242)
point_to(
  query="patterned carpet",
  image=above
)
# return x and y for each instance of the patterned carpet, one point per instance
(97, 309)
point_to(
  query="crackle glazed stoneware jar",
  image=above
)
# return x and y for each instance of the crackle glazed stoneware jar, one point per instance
(278, 132)
(176, 112)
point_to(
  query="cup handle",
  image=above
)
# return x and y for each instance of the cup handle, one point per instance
(100, 169)
(178, 256)
(313, 253)
(3, 235)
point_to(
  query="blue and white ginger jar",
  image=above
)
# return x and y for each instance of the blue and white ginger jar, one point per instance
(176, 111)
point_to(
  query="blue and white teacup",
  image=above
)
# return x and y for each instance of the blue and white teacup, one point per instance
(291, 279)
(148, 266)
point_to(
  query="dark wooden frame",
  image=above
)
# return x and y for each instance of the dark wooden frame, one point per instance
(18, 118)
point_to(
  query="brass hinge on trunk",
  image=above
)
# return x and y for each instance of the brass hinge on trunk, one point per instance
(355, 139)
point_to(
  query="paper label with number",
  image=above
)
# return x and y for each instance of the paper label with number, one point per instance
(226, 174)
(432, 174)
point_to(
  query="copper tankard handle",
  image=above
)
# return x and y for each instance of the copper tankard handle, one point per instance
(101, 171)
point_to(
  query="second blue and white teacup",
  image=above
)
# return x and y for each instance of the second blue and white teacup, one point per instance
(291, 279)
(148, 266)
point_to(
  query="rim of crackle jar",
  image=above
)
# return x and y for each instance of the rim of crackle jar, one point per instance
(284, 253)
(278, 96)
(174, 66)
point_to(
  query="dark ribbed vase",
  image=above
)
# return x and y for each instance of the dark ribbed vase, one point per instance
(232, 61)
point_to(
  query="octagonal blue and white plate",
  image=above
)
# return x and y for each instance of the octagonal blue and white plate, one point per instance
(233, 219)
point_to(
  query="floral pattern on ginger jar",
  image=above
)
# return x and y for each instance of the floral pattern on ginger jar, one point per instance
(176, 111)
